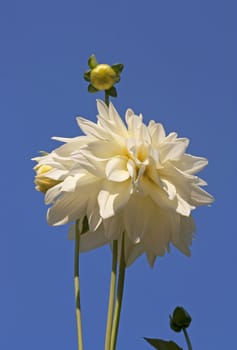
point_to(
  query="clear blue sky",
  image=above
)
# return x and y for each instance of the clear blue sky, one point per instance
(180, 69)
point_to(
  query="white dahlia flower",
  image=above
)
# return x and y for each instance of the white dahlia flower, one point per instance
(131, 179)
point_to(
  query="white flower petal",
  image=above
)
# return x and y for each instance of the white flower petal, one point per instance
(113, 197)
(172, 151)
(200, 196)
(201, 182)
(104, 150)
(181, 180)
(171, 137)
(134, 125)
(157, 132)
(131, 251)
(151, 257)
(113, 227)
(113, 134)
(92, 240)
(70, 143)
(57, 174)
(182, 238)
(89, 162)
(70, 183)
(169, 188)
(102, 109)
(116, 169)
(128, 115)
(91, 129)
(152, 173)
(93, 214)
(131, 167)
(67, 208)
(121, 129)
(71, 206)
(191, 164)
(89, 240)
(111, 123)
(183, 207)
(161, 225)
(52, 194)
(136, 217)
(139, 176)
(158, 195)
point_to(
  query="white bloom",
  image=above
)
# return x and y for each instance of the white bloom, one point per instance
(133, 179)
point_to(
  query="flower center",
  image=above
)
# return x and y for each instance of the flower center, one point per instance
(138, 160)
(142, 153)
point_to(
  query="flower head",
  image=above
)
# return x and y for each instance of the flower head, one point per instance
(130, 178)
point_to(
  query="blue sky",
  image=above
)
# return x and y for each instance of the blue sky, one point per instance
(180, 69)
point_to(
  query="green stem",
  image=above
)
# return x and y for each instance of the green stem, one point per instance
(187, 339)
(77, 285)
(111, 295)
(118, 305)
(106, 98)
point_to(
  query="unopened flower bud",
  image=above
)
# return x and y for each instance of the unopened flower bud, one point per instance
(103, 77)
(42, 182)
(180, 319)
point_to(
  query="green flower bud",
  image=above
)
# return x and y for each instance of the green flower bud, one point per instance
(103, 77)
(180, 319)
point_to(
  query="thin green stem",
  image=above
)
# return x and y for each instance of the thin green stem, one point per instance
(187, 339)
(119, 298)
(106, 98)
(111, 296)
(77, 285)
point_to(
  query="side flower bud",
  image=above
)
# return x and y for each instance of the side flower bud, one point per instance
(103, 76)
(42, 182)
(180, 319)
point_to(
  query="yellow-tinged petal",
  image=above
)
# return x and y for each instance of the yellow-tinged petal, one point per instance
(42, 182)
(116, 169)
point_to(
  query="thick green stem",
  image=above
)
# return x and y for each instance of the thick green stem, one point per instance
(118, 305)
(187, 339)
(77, 285)
(111, 295)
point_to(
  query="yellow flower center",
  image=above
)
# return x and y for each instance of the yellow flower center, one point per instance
(142, 153)
(103, 77)
(42, 182)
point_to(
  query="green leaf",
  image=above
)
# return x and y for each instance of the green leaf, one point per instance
(118, 67)
(92, 63)
(160, 344)
(87, 75)
(112, 92)
(92, 89)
